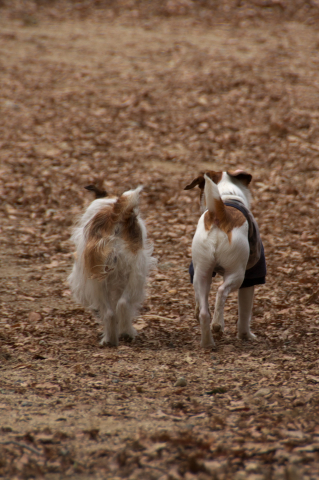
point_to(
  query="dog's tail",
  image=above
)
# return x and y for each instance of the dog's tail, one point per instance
(131, 198)
(214, 203)
(127, 204)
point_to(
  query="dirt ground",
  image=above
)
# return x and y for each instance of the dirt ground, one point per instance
(153, 100)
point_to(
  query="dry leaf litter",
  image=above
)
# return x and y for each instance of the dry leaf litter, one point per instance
(151, 93)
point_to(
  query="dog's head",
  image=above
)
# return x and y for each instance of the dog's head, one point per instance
(226, 181)
(97, 190)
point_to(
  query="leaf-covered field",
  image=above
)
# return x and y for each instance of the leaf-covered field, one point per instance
(133, 97)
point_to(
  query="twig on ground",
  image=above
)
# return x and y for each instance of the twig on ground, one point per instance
(157, 317)
(153, 466)
(22, 445)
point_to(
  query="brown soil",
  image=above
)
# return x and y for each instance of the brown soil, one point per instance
(153, 100)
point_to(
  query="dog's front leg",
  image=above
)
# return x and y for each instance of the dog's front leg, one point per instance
(110, 328)
(202, 284)
(245, 306)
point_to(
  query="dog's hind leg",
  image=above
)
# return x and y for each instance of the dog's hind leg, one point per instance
(231, 282)
(125, 311)
(130, 302)
(245, 306)
(202, 283)
(196, 313)
(110, 328)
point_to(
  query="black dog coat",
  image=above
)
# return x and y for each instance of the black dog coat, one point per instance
(256, 273)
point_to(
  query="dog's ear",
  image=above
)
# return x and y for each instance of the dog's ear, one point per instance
(98, 192)
(215, 176)
(242, 176)
(200, 181)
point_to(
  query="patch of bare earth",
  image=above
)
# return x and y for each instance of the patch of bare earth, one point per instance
(153, 103)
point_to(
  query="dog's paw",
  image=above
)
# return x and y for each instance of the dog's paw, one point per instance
(207, 342)
(126, 337)
(128, 332)
(217, 329)
(246, 336)
(107, 342)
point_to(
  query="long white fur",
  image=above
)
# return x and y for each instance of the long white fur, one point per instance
(212, 249)
(118, 297)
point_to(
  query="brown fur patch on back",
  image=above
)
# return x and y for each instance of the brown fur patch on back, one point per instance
(132, 234)
(225, 218)
(102, 224)
(99, 258)
(97, 255)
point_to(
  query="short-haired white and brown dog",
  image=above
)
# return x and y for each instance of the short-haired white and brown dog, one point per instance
(112, 260)
(227, 242)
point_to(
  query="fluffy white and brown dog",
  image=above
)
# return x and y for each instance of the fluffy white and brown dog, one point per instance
(112, 261)
(226, 242)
